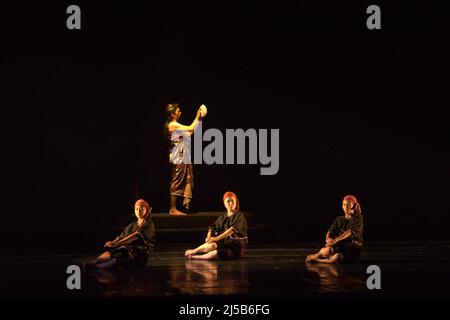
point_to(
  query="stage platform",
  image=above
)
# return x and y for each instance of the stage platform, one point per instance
(190, 228)
(193, 222)
(408, 271)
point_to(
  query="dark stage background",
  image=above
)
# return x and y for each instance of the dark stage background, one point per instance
(359, 111)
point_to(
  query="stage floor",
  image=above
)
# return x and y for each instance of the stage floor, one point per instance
(408, 270)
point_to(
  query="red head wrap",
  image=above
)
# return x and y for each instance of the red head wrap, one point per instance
(351, 198)
(232, 195)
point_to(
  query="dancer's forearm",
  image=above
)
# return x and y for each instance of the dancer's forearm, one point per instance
(194, 124)
(342, 237)
(226, 234)
(126, 239)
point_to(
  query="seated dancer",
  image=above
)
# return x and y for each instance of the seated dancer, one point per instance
(227, 237)
(132, 246)
(344, 239)
(182, 174)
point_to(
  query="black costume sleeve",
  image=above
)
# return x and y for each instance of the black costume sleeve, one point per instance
(356, 227)
(147, 233)
(239, 224)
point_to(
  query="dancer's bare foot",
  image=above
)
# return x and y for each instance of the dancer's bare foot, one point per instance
(310, 258)
(175, 212)
(189, 253)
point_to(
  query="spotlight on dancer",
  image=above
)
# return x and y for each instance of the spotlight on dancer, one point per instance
(182, 173)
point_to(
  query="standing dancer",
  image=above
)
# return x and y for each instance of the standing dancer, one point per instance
(227, 237)
(182, 174)
(344, 239)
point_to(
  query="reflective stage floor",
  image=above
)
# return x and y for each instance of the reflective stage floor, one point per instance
(408, 271)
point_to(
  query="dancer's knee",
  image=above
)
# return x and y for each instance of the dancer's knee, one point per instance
(105, 256)
(214, 254)
(337, 258)
(325, 252)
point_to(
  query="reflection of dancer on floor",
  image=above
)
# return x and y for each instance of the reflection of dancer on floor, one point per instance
(207, 270)
(227, 237)
(182, 175)
(344, 239)
(132, 246)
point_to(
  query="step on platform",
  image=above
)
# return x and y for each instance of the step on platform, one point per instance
(192, 227)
